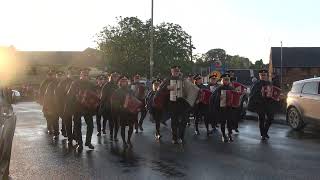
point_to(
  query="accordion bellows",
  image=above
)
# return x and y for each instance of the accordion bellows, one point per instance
(271, 92)
(88, 99)
(230, 98)
(132, 104)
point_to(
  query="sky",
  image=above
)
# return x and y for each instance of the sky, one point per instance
(242, 27)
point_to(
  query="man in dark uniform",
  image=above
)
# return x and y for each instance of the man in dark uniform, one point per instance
(213, 86)
(100, 82)
(60, 94)
(177, 107)
(79, 110)
(201, 110)
(51, 105)
(44, 84)
(155, 114)
(219, 103)
(262, 105)
(139, 91)
(236, 111)
(105, 106)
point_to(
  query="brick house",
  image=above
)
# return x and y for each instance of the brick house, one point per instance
(297, 63)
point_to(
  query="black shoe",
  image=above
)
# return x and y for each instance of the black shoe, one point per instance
(267, 136)
(174, 142)
(230, 138)
(129, 144)
(180, 141)
(196, 133)
(188, 124)
(141, 128)
(69, 141)
(64, 134)
(263, 138)
(115, 139)
(55, 137)
(164, 123)
(224, 139)
(111, 138)
(157, 136)
(99, 134)
(89, 145)
(137, 131)
(80, 148)
(125, 145)
(104, 132)
(236, 130)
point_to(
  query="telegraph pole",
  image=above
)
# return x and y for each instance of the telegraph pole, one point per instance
(151, 43)
(281, 81)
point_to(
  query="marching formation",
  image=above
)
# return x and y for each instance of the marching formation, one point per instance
(124, 104)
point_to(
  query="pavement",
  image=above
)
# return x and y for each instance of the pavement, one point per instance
(279, 118)
(287, 155)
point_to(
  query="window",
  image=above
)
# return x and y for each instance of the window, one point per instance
(310, 88)
(296, 88)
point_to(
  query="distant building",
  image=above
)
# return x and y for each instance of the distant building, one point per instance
(297, 63)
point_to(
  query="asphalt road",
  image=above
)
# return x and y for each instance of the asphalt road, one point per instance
(287, 155)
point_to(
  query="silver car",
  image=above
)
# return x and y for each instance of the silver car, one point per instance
(303, 103)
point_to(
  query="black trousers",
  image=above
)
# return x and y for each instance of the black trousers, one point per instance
(265, 123)
(114, 124)
(77, 127)
(104, 122)
(68, 126)
(53, 123)
(201, 112)
(157, 116)
(236, 117)
(225, 119)
(178, 120)
(126, 119)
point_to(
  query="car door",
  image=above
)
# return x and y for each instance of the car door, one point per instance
(310, 99)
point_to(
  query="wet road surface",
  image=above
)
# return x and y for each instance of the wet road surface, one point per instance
(287, 155)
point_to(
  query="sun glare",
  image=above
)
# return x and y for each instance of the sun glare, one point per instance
(9, 67)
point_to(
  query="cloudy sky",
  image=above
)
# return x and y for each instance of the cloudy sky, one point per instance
(245, 27)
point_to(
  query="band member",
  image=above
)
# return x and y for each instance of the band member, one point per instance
(190, 113)
(176, 104)
(61, 93)
(44, 84)
(79, 90)
(201, 109)
(124, 117)
(262, 105)
(236, 111)
(43, 87)
(100, 82)
(213, 86)
(139, 91)
(51, 106)
(220, 103)
(105, 105)
(156, 114)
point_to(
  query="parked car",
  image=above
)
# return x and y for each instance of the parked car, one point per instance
(16, 96)
(7, 128)
(303, 102)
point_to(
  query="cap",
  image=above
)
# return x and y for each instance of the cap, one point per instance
(225, 75)
(84, 69)
(60, 72)
(50, 72)
(213, 75)
(197, 76)
(263, 71)
(175, 66)
(137, 76)
(157, 81)
(122, 77)
(229, 71)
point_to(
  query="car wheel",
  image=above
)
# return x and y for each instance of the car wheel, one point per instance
(294, 119)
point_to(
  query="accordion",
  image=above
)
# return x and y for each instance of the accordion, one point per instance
(139, 91)
(177, 92)
(272, 92)
(226, 98)
(239, 87)
(190, 92)
(205, 96)
(160, 99)
(88, 99)
(132, 104)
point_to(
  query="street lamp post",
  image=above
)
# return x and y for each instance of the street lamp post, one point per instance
(281, 65)
(151, 43)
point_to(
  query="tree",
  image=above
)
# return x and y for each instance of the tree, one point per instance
(216, 55)
(258, 65)
(126, 46)
(238, 62)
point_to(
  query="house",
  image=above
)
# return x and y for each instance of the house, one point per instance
(297, 63)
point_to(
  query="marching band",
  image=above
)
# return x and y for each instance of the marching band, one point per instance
(115, 100)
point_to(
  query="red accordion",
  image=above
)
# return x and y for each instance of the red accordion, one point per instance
(230, 98)
(271, 92)
(205, 96)
(132, 104)
(160, 99)
(88, 99)
(239, 87)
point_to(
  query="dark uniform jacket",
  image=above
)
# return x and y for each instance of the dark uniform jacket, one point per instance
(61, 93)
(118, 99)
(215, 98)
(43, 88)
(50, 105)
(105, 96)
(257, 103)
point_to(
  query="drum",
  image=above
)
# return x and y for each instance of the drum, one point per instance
(190, 92)
(132, 104)
(205, 95)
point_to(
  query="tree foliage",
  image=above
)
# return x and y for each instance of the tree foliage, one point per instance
(126, 46)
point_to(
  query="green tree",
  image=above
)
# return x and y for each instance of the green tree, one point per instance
(238, 62)
(258, 65)
(126, 46)
(215, 55)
